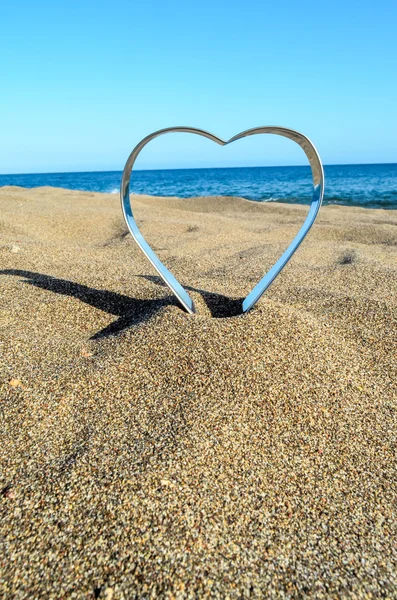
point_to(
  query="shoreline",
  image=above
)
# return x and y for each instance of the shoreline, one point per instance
(265, 202)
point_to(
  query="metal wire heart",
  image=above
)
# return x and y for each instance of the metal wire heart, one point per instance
(265, 282)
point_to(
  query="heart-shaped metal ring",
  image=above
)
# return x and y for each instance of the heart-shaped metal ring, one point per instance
(264, 283)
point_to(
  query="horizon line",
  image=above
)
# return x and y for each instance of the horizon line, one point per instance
(198, 168)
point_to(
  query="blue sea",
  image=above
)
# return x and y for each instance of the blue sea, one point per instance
(372, 186)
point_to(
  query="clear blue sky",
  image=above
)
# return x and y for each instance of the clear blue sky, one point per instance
(83, 81)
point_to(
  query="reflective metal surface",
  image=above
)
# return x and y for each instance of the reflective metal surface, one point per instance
(264, 283)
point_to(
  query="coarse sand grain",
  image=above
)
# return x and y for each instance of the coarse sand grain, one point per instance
(149, 453)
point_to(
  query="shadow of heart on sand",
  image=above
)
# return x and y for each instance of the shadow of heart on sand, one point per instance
(130, 311)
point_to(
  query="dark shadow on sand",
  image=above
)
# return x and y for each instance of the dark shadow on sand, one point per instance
(130, 311)
(220, 306)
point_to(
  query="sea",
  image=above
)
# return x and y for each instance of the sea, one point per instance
(371, 186)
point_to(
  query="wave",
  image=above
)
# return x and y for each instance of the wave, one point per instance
(372, 186)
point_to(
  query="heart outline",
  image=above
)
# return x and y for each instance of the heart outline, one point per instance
(264, 283)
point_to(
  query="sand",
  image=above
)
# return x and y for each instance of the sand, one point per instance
(149, 453)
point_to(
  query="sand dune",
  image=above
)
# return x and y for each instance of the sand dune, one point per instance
(145, 451)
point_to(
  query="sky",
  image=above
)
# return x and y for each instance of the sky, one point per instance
(81, 82)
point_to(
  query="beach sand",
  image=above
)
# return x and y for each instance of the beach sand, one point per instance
(149, 453)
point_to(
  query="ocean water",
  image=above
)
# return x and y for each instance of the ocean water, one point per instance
(373, 186)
